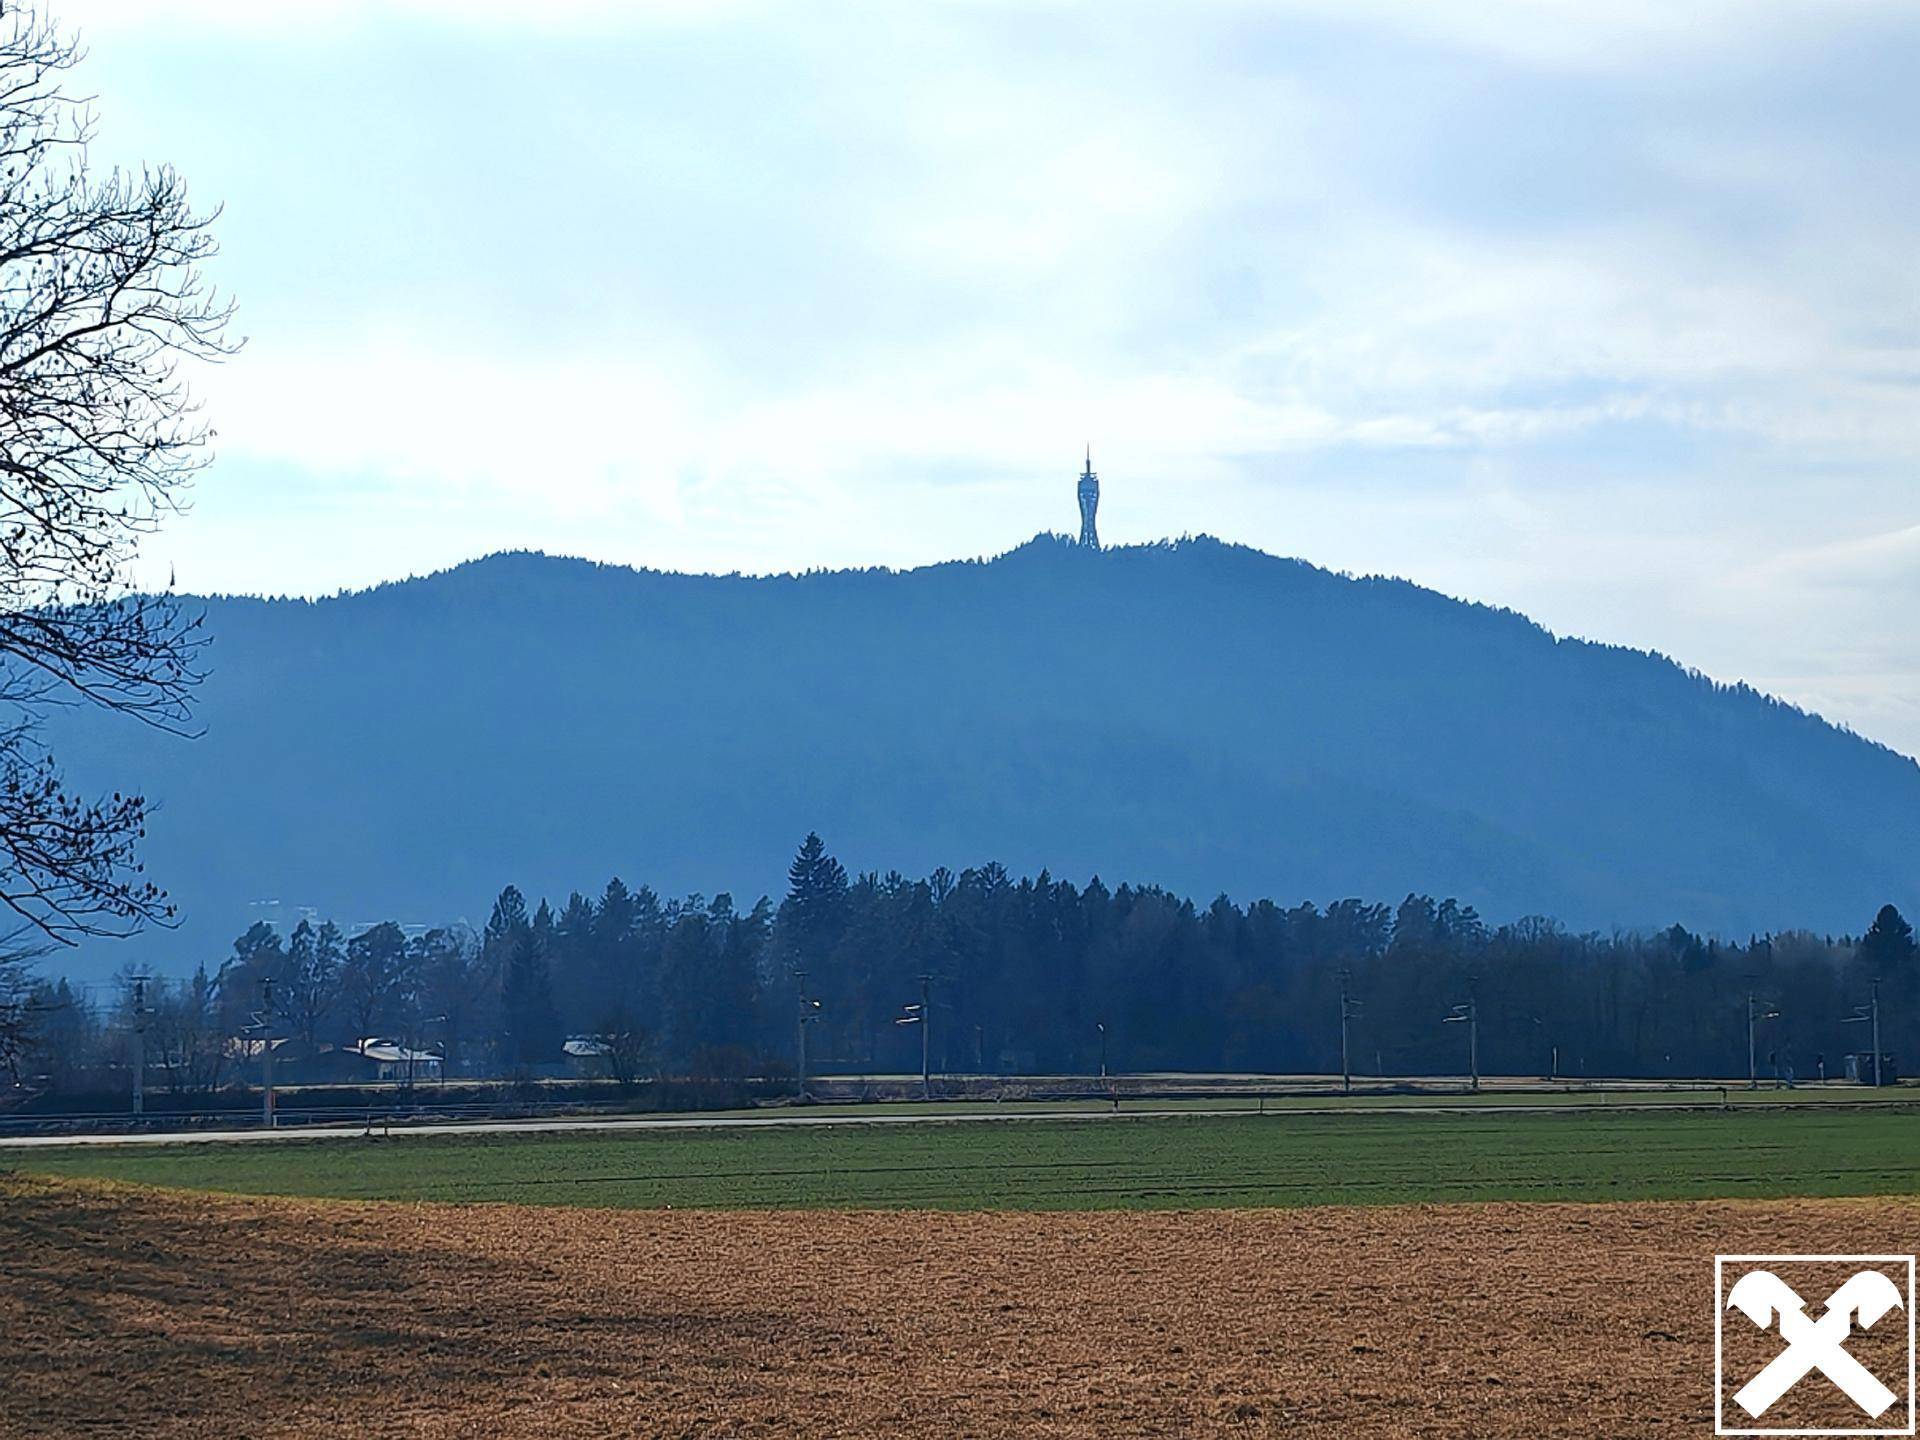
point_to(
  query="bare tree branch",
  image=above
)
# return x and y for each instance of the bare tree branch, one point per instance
(102, 301)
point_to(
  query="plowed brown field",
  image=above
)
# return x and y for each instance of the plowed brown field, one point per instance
(125, 1310)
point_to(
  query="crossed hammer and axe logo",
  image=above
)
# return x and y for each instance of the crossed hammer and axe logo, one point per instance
(1812, 1345)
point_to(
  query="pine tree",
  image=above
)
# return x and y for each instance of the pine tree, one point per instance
(814, 913)
(530, 1026)
(577, 987)
(509, 918)
(1887, 947)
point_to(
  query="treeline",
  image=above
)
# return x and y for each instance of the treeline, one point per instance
(1025, 975)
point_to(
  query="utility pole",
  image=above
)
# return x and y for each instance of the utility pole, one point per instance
(1349, 1010)
(1754, 1013)
(926, 1037)
(1101, 1026)
(804, 1016)
(1473, 1040)
(1870, 1014)
(1876, 1032)
(919, 1015)
(266, 1051)
(140, 1013)
(800, 1028)
(1753, 1069)
(1469, 1015)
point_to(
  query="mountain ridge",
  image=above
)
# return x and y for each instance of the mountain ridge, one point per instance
(1190, 713)
(1198, 540)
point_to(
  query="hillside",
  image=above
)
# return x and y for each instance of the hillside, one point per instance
(1199, 715)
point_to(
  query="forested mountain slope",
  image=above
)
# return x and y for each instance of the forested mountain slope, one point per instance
(1196, 715)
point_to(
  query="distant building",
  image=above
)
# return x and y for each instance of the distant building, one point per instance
(1860, 1069)
(1089, 504)
(588, 1055)
(393, 1060)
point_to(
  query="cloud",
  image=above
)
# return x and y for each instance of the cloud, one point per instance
(250, 18)
(1602, 312)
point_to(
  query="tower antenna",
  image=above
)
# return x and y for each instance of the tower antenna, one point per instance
(1089, 503)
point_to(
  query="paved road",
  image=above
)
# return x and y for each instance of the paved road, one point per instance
(803, 1118)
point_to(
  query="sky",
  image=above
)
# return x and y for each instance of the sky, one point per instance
(1605, 313)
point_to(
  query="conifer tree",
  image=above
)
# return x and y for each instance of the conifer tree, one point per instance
(1888, 946)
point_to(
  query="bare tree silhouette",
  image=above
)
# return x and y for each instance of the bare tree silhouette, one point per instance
(101, 300)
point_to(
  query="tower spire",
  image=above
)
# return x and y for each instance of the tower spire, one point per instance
(1089, 503)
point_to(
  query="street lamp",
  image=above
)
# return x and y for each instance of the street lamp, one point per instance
(809, 1012)
(1469, 1015)
(1101, 1026)
(1870, 1014)
(1755, 1013)
(918, 1015)
(262, 1026)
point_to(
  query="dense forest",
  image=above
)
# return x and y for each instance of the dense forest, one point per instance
(1028, 975)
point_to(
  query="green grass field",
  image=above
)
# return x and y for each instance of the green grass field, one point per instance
(1042, 1165)
(1613, 1097)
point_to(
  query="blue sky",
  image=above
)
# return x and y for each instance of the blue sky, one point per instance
(1607, 313)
